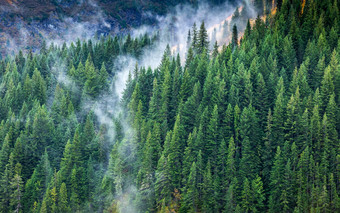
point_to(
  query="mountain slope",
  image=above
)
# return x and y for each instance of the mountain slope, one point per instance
(251, 125)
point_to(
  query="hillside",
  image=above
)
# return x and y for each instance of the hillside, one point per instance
(229, 114)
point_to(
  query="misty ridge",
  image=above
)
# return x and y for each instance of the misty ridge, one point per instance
(66, 21)
(169, 106)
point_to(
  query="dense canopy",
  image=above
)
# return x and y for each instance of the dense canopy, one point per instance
(251, 126)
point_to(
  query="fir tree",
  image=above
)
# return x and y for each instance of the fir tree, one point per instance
(234, 39)
(202, 41)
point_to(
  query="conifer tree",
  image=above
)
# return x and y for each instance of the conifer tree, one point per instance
(175, 155)
(212, 136)
(276, 179)
(62, 202)
(17, 189)
(231, 164)
(234, 39)
(327, 87)
(5, 152)
(202, 41)
(189, 40)
(91, 86)
(38, 87)
(246, 196)
(208, 198)
(215, 50)
(194, 39)
(278, 120)
(191, 199)
(249, 164)
(258, 196)
(163, 184)
(288, 56)
(190, 109)
(5, 189)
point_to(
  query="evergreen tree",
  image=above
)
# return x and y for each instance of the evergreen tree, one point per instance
(230, 164)
(258, 197)
(190, 201)
(276, 179)
(38, 87)
(91, 86)
(208, 197)
(202, 41)
(194, 42)
(215, 50)
(63, 201)
(327, 87)
(5, 189)
(246, 196)
(17, 189)
(5, 152)
(250, 162)
(212, 136)
(234, 39)
(163, 184)
(175, 155)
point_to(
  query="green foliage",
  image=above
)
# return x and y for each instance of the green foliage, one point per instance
(253, 127)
